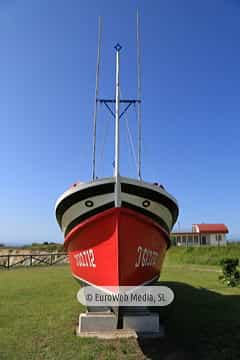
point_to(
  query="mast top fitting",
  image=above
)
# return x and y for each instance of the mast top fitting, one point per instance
(117, 47)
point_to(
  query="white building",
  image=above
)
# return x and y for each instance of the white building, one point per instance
(201, 234)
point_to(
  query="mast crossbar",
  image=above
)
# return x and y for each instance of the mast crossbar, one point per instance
(108, 107)
(120, 101)
(125, 110)
(129, 102)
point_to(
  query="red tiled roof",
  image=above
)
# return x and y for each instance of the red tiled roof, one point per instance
(184, 233)
(212, 228)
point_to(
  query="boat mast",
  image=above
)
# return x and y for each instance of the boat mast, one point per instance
(117, 132)
(127, 103)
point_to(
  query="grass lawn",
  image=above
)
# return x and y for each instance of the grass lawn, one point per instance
(39, 312)
(204, 255)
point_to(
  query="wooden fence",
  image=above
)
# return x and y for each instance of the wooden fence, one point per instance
(11, 260)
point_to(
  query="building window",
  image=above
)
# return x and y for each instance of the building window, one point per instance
(184, 239)
(190, 239)
(195, 239)
(218, 237)
(204, 240)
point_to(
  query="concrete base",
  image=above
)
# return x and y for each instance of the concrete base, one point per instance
(91, 322)
(118, 334)
(143, 323)
(135, 324)
(108, 335)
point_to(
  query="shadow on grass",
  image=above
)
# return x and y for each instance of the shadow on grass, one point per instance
(200, 324)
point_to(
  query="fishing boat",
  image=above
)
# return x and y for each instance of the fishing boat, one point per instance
(116, 229)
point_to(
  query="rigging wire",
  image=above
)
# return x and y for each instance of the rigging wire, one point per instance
(104, 141)
(139, 93)
(130, 138)
(96, 98)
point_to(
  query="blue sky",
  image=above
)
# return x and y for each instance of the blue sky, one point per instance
(191, 107)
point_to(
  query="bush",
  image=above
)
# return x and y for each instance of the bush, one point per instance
(230, 273)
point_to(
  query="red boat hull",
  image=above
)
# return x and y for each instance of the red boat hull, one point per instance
(117, 247)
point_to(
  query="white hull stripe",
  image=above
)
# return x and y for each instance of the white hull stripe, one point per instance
(83, 207)
(82, 194)
(152, 194)
(152, 206)
(88, 215)
(81, 210)
(84, 201)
